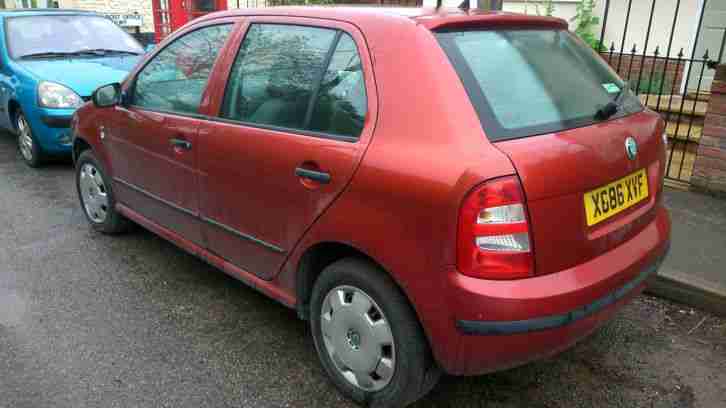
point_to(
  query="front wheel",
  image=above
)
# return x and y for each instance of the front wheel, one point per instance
(27, 144)
(367, 336)
(96, 196)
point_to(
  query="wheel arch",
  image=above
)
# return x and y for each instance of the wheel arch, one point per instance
(13, 108)
(317, 257)
(312, 262)
(79, 146)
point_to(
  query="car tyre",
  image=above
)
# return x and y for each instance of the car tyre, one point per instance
(28, 145)
(404, 371)
(96, 196)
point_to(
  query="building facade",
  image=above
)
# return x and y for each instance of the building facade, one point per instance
(121, 9)
(16, 4)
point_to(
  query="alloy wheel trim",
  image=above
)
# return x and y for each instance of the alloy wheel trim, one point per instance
(25, 139)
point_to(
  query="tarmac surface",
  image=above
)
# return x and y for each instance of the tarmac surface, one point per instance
(88, 320)
(695, 271)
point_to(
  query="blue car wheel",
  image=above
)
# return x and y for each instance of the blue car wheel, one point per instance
(28, 146)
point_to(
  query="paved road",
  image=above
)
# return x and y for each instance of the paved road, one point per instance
(88, 320)
(694, 272)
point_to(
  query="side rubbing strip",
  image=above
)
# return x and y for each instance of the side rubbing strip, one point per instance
(478, 327)
(196, 215)
(243, 235)
(155, 197)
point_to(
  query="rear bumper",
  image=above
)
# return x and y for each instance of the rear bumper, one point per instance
(501, 324)
(476, 327)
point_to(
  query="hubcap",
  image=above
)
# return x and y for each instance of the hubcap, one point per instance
(25, 139)
(353, 338)
(93, 193)
(358, 338)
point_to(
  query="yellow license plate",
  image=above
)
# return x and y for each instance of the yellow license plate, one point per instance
(608, 200)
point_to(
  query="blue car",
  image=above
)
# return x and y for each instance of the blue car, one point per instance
(51, 61)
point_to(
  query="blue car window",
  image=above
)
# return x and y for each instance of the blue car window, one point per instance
(49, 36)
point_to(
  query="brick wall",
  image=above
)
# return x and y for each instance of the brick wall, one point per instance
(709, 171)
(142, 7)
(630, 66)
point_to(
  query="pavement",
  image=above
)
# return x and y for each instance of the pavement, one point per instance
(88, 320)
(695, 271)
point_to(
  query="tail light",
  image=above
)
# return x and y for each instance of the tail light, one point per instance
(494, 240)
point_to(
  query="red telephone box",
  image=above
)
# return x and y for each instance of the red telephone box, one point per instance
(172, 14)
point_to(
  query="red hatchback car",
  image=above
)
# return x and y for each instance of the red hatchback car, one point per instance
(433, 190)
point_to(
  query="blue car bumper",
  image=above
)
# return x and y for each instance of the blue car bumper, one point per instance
(51, 128)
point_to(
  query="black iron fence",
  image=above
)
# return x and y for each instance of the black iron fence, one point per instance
(673, 82)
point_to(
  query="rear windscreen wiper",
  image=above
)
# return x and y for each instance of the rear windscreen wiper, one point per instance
(612, 107)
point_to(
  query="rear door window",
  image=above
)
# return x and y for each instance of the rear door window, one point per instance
(341, 104)
(300, 78)
(529, 82)
(275, 74)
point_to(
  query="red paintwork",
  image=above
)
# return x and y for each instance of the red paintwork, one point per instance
(139, 142)
(267, 287)
(288, 208)
(556, 293)
(580, 160)
(395, 194)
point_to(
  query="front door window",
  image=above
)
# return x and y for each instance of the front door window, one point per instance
(175, 79)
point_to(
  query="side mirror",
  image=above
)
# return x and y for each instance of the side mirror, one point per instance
(107, 95)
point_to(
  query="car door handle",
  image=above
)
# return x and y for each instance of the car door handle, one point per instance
(181, 143)
(318, 176)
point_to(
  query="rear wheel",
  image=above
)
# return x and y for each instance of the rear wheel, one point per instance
(368, 338)
(27, 145)
(96, 196)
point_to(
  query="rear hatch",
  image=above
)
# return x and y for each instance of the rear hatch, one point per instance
(591, 180)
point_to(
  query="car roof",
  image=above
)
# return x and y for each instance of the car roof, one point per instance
(432, 18)
(45, 12)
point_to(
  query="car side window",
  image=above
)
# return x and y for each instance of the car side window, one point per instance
(275, 74)
(175, 79)
(341, 104)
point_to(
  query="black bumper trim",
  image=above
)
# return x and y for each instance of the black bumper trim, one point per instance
(478, 327)
(57, 121)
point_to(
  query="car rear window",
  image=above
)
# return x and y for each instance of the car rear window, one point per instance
(529, 82)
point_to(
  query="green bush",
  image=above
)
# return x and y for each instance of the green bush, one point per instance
(548, 8)
(586, 22)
